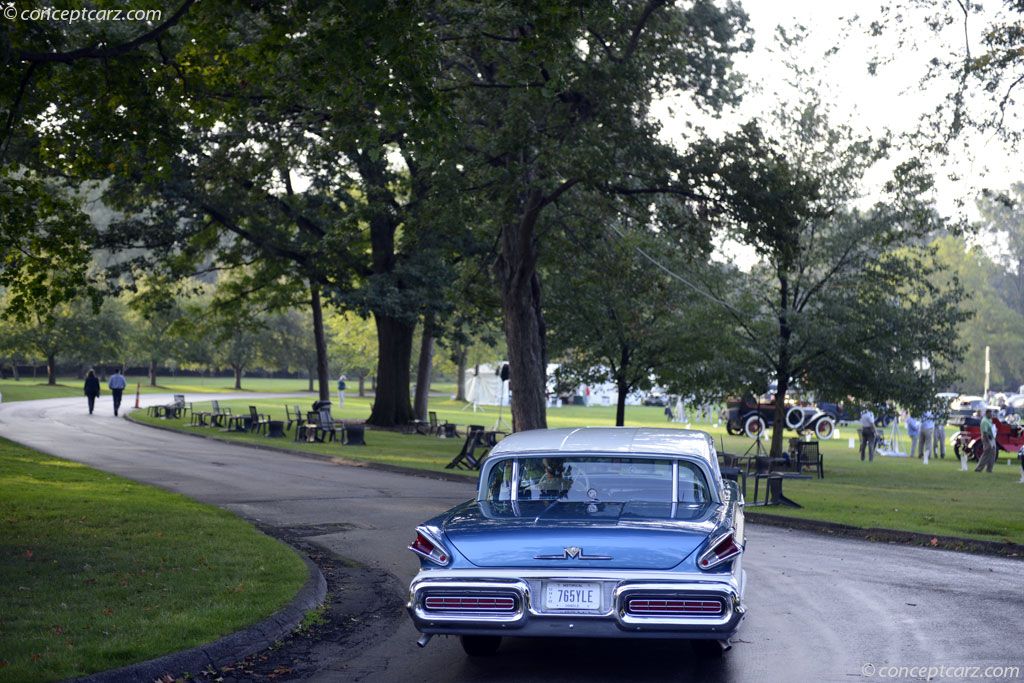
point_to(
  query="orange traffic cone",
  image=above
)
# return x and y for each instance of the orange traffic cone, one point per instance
(138, 390)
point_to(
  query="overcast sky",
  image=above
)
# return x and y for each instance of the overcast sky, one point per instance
(891, 99)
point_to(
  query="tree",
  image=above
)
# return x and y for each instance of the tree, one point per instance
(247, 102)
(841, 298)
(155, 314)
(633, 328)
(1002, 217)
(44, 233)
(70, 330)
(558, 100)
(352, 347)
(290, 344)
(995, 323)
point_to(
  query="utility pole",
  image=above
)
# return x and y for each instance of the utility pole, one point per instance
(987, 370)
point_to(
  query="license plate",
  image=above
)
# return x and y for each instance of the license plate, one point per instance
(561, 595)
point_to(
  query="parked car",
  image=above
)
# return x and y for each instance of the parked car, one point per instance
(600, 532)
(752, 418)
(655, 400)
(1009, 435)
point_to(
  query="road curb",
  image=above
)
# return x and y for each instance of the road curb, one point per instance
(1002, 548)
(231, 648)
(877, 534)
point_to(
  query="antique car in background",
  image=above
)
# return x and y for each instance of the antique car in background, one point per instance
(1009, 434)
(602, 532)
(752, 417)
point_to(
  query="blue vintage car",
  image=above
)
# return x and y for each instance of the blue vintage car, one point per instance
(592, 532)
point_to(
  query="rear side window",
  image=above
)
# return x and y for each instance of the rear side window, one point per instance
(693, 486)
(499, 483)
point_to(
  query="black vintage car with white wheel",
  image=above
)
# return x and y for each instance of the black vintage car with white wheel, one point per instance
(751, 418)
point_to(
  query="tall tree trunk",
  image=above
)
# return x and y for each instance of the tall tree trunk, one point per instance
(238, 376)
(392, 405)
(152, 372)
(525, 330)
(312, 371)
(620, 403)
(460, 374)
(781, 370)
(14, 372)
(51, 369)
(362, 385)
(423, 371)
(321, 342)
(778, 432)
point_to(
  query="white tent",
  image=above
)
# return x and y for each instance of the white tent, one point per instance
(486, 388)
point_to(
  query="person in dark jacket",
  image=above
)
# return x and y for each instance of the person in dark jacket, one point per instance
(92, 388)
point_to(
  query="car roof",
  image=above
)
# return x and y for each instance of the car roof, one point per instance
(638, 440)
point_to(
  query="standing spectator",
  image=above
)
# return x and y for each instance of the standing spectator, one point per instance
(927, 426)
(668, 412)
(988, 440)
(867, 434)
(939, 435)
(913, 431)
(117, 384)
(341, 392)
(92, 388)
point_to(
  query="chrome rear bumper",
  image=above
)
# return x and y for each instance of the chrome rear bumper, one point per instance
(459, 604)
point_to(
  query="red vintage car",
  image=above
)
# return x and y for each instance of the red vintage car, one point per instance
(1009, 435)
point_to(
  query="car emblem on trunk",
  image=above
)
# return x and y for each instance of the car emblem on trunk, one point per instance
(571, 553)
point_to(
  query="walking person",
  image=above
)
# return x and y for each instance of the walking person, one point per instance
(92, 388)
(988, 441)
(341, 392)
(867, 435)
(913, 431)
(117, 383)
(927, 427)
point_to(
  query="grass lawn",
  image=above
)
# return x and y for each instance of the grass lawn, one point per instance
(896, 493)
(27, 389)
(97, 571)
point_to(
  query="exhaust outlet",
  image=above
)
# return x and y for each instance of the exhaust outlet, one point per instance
(425, 638)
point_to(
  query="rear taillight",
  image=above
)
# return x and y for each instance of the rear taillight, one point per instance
(721, 549)
(429, 548)
(469, 603)
(644, 606)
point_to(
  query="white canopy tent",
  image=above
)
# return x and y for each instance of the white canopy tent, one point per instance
(486, 387)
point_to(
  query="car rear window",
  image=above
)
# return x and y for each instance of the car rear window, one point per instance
(603, 479)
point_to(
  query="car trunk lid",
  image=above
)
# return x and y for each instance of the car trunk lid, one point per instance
(564, 535)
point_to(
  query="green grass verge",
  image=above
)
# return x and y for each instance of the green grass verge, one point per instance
(895, 493)
(97, 571)
(27, 389)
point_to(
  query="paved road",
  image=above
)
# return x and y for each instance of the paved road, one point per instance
(820, 608)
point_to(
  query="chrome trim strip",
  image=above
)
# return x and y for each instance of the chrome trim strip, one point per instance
(572, 553)
(675, 484)
(562, 573)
